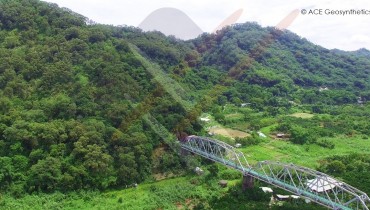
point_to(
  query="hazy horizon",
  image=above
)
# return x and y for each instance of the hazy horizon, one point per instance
(333, 31)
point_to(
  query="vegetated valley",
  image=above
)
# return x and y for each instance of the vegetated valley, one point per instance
(77, 102)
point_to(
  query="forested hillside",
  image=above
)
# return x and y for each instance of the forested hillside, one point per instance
(276, 63)
(67, 90)
(73, 93)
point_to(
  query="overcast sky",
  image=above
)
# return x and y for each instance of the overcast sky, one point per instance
(349, 32)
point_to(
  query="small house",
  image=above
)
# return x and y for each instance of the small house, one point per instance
(266, 189)
(282, 197)
(244, 104)
(205, 119)
(322, 184)
(323, 89)
(280, 135)
(294, 196)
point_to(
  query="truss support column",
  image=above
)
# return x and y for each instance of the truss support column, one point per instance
(248, 182)
(184, 152)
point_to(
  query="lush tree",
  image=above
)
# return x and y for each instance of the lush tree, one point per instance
(45, 175)
(301, 135)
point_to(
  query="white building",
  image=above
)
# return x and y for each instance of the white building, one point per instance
(244, 104)
(205, 119)
(282, 197)
(266, 189)
(322, 184)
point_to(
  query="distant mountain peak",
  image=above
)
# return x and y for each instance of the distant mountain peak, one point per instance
(363, 50)
(171, 21)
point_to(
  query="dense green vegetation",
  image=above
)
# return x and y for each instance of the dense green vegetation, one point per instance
(76, 98)
(69, 100)
(201, 192)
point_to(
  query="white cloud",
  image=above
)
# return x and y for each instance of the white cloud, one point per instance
(360, 38)
(330, 31)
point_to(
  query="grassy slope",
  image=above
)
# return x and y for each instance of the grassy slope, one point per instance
(167, 194)
(305, 155)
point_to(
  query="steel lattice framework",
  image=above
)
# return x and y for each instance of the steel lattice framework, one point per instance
(313, 185)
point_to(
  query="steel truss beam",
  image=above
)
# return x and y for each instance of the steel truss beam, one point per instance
(313, 185)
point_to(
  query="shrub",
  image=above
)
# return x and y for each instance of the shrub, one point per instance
(230, 174)
(336, 166)
(254, 139)
(300, 135)
(326, 144)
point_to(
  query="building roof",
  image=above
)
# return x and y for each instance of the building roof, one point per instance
(282, 196)
(198, 169)
(205, 119)
(322, 184)
(294, 196)
(266, 189)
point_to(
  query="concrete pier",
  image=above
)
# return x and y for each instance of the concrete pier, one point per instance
(248, 182)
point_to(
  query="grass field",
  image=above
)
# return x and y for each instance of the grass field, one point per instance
(234, 116)
(175, 193)
(228, 132)
(217, 129)
(302, 115)
(305, 155)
